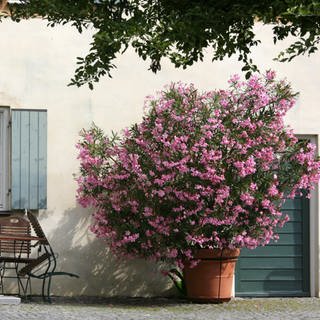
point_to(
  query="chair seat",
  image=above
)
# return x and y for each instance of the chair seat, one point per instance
(17, 260)
(33, 263)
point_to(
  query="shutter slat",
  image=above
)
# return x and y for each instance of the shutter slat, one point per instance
(16, 159)
(34, 160)
(25, 160)
(42, 178)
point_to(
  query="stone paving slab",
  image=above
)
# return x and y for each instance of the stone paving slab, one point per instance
(161, 309)
(9, 299)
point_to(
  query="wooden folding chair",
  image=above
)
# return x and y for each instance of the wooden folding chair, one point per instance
(14, 251)
(44, 266)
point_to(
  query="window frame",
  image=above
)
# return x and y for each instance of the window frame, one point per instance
(5, 150)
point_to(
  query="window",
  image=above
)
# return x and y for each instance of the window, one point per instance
(23, 170)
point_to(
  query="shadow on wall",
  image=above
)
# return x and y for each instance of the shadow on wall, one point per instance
(101, 273)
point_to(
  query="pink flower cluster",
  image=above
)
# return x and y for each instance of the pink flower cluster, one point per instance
(202, 170)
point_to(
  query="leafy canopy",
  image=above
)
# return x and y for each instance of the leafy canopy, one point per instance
(179, 30)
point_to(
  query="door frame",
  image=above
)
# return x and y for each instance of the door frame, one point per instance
(314, 240)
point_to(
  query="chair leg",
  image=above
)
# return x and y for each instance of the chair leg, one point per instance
(24, 287)
(2, 271)
(30, 288)
(43, 288)
(48, 289)
(20, 284)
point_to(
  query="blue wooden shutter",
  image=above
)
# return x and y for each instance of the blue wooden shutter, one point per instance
(29, 159)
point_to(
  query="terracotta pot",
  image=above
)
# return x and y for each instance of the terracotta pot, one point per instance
(212, 279)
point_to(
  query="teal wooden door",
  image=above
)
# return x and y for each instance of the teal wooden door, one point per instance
(280, 268)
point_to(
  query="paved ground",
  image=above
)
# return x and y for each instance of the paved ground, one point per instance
(162, 309)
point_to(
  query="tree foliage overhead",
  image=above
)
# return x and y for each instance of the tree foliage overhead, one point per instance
(179, 30)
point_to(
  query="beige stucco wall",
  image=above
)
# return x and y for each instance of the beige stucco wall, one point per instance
(36, 64)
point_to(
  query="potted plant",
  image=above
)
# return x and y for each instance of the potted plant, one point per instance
(201, 176)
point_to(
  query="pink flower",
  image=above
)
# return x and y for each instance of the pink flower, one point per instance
(270, 74)
(222, 194)
(247, 198)
(173, 253)
(246, 167)
(234, 78)
(273, 191)
(253, 186)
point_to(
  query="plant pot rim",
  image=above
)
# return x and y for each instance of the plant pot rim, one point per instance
(217, 253)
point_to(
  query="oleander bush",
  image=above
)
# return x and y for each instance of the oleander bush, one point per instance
(201, 170)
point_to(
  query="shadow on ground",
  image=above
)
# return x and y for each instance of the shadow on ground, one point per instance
(111, 301)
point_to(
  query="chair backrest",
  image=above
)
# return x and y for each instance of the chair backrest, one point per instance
(48, 255)
(15, 225)
(37, 228)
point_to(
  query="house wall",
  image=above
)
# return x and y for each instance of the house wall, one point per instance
(36, 64)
